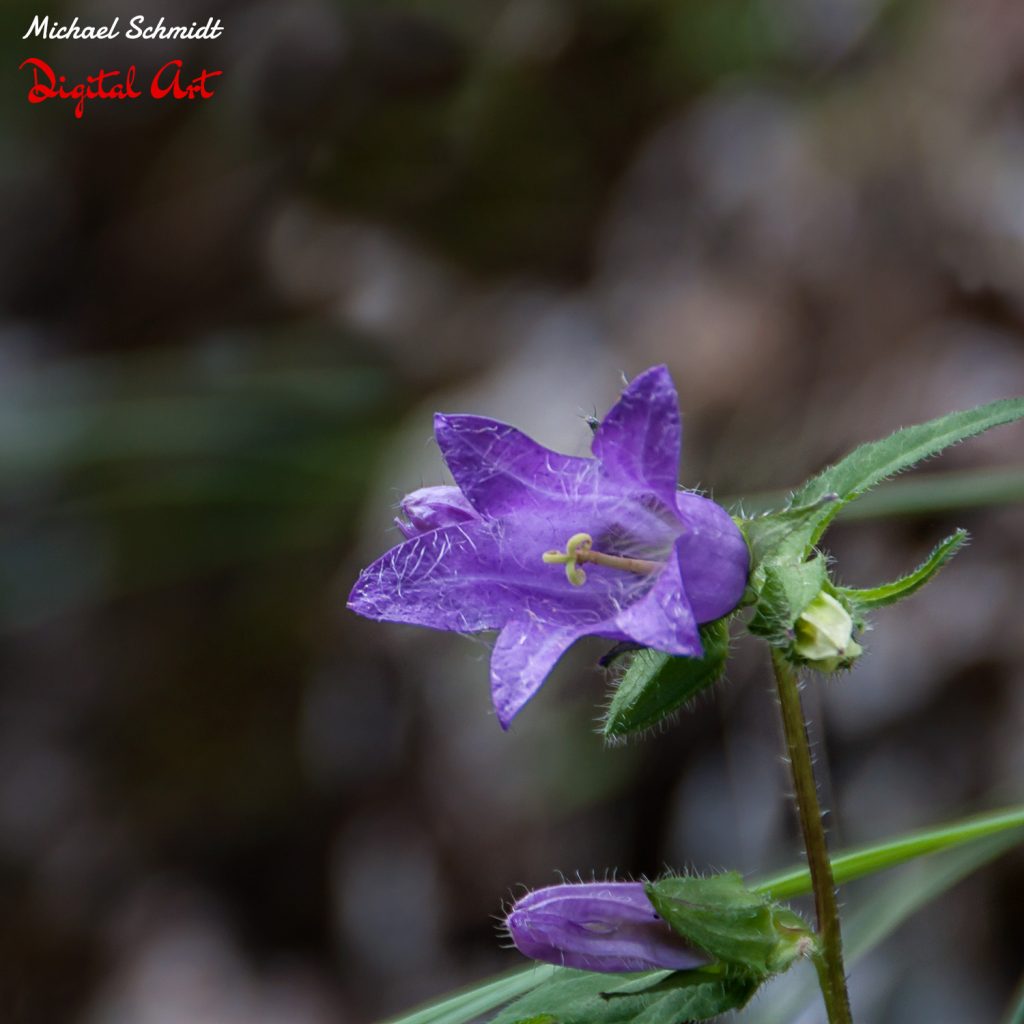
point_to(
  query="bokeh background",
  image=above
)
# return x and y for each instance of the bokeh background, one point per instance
(224, 798)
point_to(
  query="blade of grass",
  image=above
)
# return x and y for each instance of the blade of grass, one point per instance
(902, 898)
(471, 1002)
(874, 921)
(867, 860)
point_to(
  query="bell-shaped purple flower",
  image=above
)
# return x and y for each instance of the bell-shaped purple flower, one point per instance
(598, 926)
(548, 548)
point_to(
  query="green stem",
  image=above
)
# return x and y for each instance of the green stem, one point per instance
(829, 962)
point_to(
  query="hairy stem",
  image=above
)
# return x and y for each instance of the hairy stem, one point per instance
(829, 962)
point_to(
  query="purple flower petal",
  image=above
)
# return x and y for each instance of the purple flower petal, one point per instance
(451, 578)
(430, 508)
(639, 442)
(713, 557)
(502, 471)
(663, 618)
(600, 926)
(525, 653)
(480, 575)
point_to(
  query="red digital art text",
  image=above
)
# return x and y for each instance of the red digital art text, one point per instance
(169, 82)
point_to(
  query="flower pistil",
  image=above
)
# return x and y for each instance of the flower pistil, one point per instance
(580, 548)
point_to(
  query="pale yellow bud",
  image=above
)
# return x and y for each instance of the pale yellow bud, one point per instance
(824, 635)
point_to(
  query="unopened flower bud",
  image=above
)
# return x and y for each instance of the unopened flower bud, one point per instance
(599, 926)
(431, 508)
(824, 635)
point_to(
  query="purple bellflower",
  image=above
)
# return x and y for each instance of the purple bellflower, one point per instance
(598, 926)
(548, 548)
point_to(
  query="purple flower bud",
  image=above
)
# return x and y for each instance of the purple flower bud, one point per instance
(598, 926)
(430, 508)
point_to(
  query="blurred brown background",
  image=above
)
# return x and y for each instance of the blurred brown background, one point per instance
(225, 799)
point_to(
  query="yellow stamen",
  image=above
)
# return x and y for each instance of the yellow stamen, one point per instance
(578, 545)
(579, 548)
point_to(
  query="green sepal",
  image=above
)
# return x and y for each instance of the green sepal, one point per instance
(897, 590)
(657, 684)
(654, 997)
(787, 589)
(742, 930)
(781, 535)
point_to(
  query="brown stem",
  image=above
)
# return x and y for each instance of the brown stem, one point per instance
(829, 962)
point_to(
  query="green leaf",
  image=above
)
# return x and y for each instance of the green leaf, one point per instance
(788, 588)
(890, 593)
(948, 491)
(657, 684)
(581, 997)
(696, 995)
(742, 929)
(782, 580)
(872, 463)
